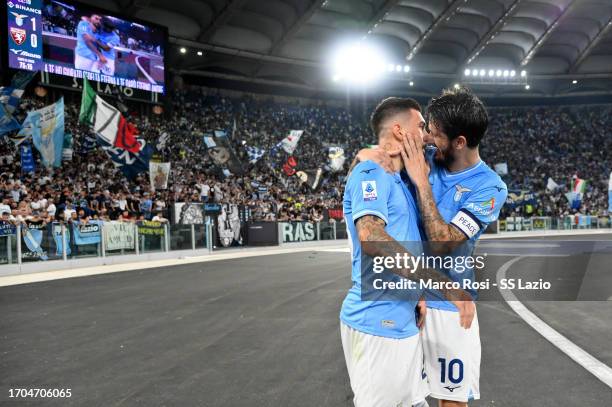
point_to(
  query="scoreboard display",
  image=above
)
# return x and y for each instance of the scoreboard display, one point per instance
(70, 39)
(25, 34)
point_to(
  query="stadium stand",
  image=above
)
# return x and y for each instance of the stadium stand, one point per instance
(90, 185)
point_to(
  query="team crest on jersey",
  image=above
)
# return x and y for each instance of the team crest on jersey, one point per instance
(460, 191)
(368, 188)
(18, 35)
(490, 204)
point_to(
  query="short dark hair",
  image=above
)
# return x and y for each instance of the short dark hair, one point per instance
(458, 112)
(389, 107)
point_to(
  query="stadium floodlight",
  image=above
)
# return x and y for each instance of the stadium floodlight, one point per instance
(390, 67)
(467, 72)
(498, 73)
(574, 81)
(406, 68)
(359, 63)
(411, 83)
(456, 86)
(491, 72)
(398, 68)
(200, 53)
(506, 73)
(523, 74)
(483, 72)
(527, 87)
(512, 73)
(183, 50)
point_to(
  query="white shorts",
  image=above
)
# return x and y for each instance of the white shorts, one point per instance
(108, 68)
(452, 356)
(384, 372)
(85, 64)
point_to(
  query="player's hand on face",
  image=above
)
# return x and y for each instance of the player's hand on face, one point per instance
(379, 156)
(414, 159)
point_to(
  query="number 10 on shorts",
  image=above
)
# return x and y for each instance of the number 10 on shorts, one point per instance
(454, 369)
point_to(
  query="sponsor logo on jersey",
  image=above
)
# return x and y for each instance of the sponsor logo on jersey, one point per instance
(460, 191)
(368, 171)
(478, 209)
(368, 188)
(18, 35)
(388, 323)
(451, 388)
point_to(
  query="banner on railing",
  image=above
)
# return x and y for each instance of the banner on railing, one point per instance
(188, 213)
(59, 241)
(7, 228)
(32, 232)
(119, 235)
(88, 233)
(298, 231)
(151, 228)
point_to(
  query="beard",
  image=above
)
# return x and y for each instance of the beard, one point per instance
(444, 158)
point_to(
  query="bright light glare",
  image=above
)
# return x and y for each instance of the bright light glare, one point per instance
(527, 87)
(523, 74)
(398, 68)
(483, 72)
(498, 73)
(411, 83)
(183, 50)
(406, 68)
(457, 86)
(359, 63)
(506, 73)
(390, 67)
(491, 72)
(512, 73)
(467, 72)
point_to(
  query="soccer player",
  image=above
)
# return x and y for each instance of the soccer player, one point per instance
(107, 39)
(86, 52)
(458, 195)
(380, 339)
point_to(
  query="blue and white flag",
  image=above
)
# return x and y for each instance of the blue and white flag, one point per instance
(7, 228)
(254, 153)
(33, 240)
(46, 127)
(10, 97)
(27, 160)
(89, 233)
(7, 122)
(59, 241)
(131, 164)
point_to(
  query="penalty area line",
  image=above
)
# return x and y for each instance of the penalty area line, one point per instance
(597, 368)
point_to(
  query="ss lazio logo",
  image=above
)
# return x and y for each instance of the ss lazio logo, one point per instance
(18, 35)
(460, 191)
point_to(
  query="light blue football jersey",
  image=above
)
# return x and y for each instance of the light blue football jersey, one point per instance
(81, 47)
(469, 199)
(371, 191)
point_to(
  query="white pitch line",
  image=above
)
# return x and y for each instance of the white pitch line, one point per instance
(597, 368)
(145, 73)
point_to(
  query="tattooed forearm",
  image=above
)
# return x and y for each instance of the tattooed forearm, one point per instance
(436, 228)
(376, 242)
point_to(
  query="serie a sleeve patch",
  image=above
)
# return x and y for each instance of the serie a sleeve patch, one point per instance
(368, 189)
(467, 223)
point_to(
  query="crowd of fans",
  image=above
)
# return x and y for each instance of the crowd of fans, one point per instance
(556, 142)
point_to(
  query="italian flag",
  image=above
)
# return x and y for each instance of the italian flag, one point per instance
(578, 185)
(107, 121)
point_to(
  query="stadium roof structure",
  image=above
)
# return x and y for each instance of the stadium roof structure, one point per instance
(564, 45)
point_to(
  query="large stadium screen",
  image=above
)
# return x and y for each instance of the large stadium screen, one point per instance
(72, 39)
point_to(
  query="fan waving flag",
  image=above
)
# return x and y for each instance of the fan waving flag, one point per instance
(290, 142)
(112, 127)
(254, 153)
(88, 103)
